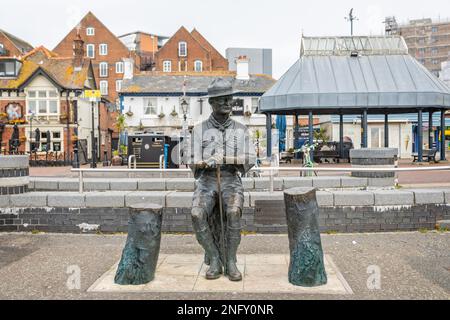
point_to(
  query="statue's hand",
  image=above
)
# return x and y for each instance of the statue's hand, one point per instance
(202, 165)
(214, 161)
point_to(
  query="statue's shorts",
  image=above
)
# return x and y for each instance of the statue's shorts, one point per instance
(206, 191)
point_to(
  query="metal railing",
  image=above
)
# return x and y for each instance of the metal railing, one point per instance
(273, 171)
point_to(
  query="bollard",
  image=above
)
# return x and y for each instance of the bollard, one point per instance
(306, 266)
(140, 255)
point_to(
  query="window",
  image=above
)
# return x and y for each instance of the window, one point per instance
(8, 69)
(434, 61)
(90, 51)
(150, 107)
(104, 87)
(90, 31)
(42, 102)
(182, 49)
(434, 51)
(421, 51)
(198, 66)
(103, 49)
(118, 85)
(167, 66)
(255, 102)
(119, 67)
(103, 66)
(56, 144)
(434, 29)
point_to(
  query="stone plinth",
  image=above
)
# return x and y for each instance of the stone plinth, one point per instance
(14, 174)
(373, 158)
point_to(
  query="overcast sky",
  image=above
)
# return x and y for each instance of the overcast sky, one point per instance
(275, 24)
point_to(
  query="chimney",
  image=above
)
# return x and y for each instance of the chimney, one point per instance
(128, 68)
(242, 68)
(78, 51)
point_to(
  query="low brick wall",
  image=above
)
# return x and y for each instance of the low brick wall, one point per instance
(340, 211)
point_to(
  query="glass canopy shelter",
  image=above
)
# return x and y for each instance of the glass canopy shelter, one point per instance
(357, 75)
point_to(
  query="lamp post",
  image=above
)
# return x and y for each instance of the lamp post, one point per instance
(184, 108)
(2, 129)
(31, 132)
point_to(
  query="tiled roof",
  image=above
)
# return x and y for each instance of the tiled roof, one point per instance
(59, 69)
(195, 84)
(20, 44)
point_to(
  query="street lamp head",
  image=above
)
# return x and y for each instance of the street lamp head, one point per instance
(184, 106)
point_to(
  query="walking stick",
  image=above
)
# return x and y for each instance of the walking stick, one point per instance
(222, 240)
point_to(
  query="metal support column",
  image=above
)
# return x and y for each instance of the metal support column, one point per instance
(420, 136)
(386, 130)
(269, 135)
(443, 158)
(364, 129)
(430, 130)
(296, 136)
(311, 132)
(341, 136)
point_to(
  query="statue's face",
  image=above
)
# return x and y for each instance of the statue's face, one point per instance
(221, 105)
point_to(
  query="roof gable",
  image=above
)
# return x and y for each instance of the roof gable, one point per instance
(88, 20)
(20, 44)
(182, 34)
(202, 40)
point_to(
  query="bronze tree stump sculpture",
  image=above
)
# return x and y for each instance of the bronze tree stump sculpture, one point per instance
(306, 266)
(140, 255)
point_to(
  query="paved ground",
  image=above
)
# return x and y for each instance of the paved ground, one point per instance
(411, 265)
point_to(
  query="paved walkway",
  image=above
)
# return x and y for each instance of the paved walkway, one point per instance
(407, 265)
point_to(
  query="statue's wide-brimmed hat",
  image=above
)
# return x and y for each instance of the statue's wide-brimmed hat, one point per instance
(221, 87)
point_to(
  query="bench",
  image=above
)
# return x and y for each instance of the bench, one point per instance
(430, 155)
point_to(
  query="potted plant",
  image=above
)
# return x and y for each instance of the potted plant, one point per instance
(63, 116)
(174, 113)
(129, 113)
(141, 126)
(248, 113)
(117, 159)
(161, 115)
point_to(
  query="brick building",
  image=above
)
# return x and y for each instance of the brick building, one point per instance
(111, 60)
(427, 40)
(45, 92)
(189, 52)
(145, 45)
(110, 57)
(12, 46)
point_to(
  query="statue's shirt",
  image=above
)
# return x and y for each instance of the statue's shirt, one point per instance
(228, 143)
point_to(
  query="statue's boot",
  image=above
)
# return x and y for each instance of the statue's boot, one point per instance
(233, 241)
(206, 240)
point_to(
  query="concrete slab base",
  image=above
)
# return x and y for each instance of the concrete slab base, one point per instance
(261, 274)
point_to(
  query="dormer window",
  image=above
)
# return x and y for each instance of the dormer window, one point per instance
(90, 31)
(182, 49)
(10, 68)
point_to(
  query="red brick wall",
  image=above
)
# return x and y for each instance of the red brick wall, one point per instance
(217, 60)
(13, 51)
(194, 52)
(116, 50)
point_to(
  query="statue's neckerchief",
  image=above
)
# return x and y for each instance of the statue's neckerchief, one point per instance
(220, 126)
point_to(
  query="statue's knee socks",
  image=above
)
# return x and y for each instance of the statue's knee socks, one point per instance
(203, 232)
